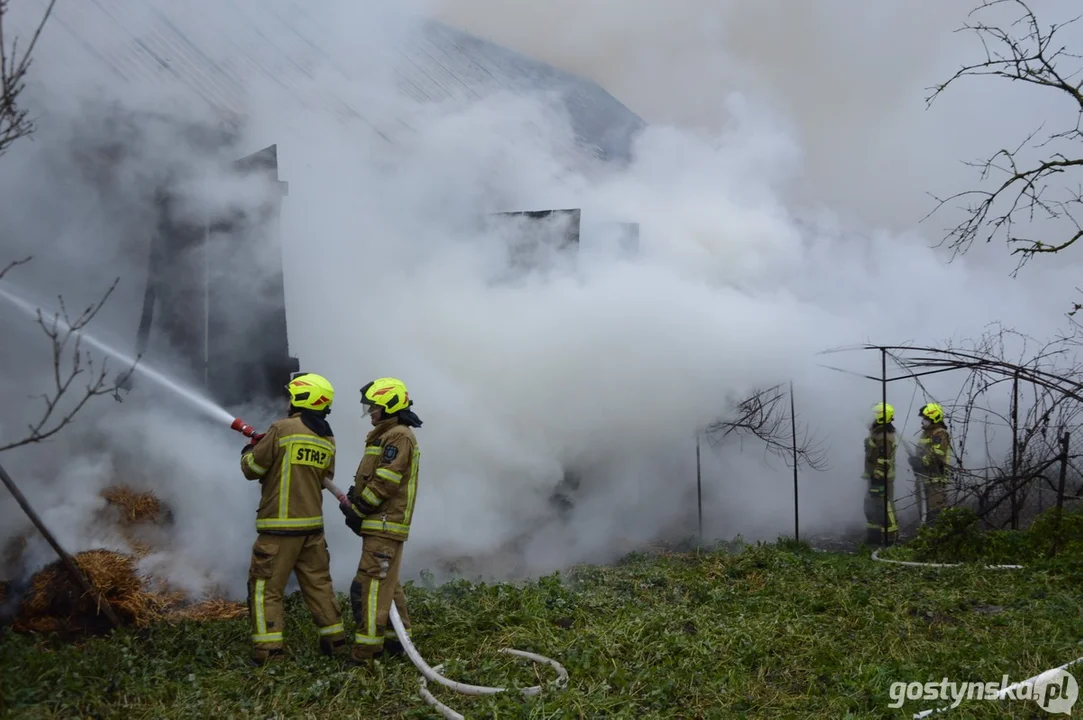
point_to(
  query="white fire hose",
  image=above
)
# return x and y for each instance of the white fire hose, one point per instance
(433, 674)
(908, 563)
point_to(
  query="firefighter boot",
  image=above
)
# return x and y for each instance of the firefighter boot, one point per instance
(333, 647)
(262, 656)
(392, 646)
(362, 659)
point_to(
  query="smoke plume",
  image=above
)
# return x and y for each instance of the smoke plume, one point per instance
(778, 186)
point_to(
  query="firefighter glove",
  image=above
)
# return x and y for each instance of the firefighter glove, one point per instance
(353, 521)
(349, 511)
(252, 443)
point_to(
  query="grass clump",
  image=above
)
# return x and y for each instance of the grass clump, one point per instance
(1054, 541)
(768, 631)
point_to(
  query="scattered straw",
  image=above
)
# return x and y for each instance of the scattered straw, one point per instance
(55, 600)
(209, 610)
(135, 507)
(56, 603)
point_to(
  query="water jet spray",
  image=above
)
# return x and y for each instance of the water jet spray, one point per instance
(208, 407)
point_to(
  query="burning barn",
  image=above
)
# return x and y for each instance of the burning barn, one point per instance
(135, 40)
(192, 321)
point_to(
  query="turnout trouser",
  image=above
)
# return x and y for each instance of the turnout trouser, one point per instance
(936, 496)
(874, 513)
(372, 592)
(274, 557)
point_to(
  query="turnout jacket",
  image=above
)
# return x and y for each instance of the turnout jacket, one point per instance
(385, 485)
(879, 466)
(290, 462)
(934, 453)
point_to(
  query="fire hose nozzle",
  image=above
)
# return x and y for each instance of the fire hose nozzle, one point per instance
(240, 426)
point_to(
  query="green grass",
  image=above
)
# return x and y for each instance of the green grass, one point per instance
(772, 631)
(1053, 541)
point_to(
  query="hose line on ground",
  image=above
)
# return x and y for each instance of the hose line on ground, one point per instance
(1038, 681)
(433, 674)
(876, 557)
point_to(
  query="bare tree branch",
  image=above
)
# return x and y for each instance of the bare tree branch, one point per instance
(1030, 189)
(765, 416)
(14, 264)
(14, 121)
(65, 332)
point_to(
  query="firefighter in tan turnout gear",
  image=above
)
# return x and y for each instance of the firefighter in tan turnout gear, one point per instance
(880, 446)
(933, 460)
(291, 461)
(380, 508)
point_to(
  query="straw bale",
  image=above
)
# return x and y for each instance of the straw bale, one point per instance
(55, 601)
(136, 507)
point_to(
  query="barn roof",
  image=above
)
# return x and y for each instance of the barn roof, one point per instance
(155, 40)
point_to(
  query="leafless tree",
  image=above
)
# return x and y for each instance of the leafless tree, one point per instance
(70, 361)
(765, 415)
(14, 65)
(1034, 181)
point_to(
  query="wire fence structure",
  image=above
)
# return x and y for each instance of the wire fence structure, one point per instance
(1009, 385)
(1044, 388)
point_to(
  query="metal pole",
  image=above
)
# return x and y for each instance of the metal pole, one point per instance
(699, 489)
(67, 559)
(1064, 443)
(793, 433)
(1015, 449)
(884, 450)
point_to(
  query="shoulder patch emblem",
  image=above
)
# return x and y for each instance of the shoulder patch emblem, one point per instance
(390, 453)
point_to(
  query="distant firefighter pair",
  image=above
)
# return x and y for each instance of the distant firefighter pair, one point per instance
(930, 464)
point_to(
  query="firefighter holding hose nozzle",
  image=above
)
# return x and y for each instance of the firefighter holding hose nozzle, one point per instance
(380, 508)
(932, 462)
(291, 461)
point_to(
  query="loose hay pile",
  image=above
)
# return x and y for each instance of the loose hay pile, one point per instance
(209, 610)
(136, 507)
(138, 517)
(55, 602)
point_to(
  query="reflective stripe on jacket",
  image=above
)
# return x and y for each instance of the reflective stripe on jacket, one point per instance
(934, 453)
(386, 481)
(290, 462)
(877, 463)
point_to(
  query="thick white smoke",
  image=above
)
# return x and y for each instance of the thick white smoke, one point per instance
(608, 366)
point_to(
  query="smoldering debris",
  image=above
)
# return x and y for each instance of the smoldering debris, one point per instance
(52, 601)
(55, 603)
(137, 507)
(140, 517)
